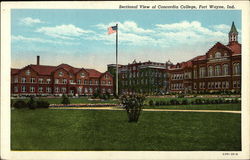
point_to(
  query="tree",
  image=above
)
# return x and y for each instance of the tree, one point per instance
(32, 103)
(133, 105)
(65, 99)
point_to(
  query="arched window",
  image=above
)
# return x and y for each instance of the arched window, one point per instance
(210, 71)
(202, 72)
(236, 68)
(217, 70)
(225, 69)
(217, 55)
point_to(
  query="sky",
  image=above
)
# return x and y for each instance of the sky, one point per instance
(79, 37)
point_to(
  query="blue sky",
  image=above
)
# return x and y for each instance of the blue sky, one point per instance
(79, 37)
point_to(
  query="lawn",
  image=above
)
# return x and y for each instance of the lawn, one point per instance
(44, 129)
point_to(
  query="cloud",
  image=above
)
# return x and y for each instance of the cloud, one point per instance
(221, 27)
(39, 40)
(69, 31)
(28, 21)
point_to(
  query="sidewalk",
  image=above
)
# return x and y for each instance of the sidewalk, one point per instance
(150, 110)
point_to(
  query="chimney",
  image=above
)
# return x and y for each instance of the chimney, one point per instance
(37, 60)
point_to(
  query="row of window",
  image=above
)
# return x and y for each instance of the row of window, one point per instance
(57, 89)
(142, 82)
(210, 85)
(63, 81)
(142, 74)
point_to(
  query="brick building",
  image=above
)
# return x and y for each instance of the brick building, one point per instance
(218, 70)
(143, 77)
(56, 80)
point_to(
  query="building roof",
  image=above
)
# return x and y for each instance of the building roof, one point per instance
(47, 70)
(235, 47)
(233, 29)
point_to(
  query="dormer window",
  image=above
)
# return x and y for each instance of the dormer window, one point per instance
(28, 72)
(60, 74)
(225, 54)
(82, 74)
(217, 55)
(211, 56)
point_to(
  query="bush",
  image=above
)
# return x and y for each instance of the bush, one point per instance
(20, 104)
(184, 102)
(32, 103)
(133, 105)
(174, 102)
(151, 102)
(42, 104)
(65, 99)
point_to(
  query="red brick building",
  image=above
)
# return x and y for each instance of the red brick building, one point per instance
(218, 70)
(56, 80)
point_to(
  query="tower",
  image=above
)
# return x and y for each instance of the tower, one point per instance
(233, 34)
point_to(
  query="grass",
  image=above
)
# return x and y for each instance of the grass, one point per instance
(44, 129)
(232, 107)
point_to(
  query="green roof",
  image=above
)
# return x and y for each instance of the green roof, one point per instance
(233, 29)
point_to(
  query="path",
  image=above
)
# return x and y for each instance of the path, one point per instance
(151, 110)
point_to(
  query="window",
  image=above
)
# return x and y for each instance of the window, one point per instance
(217, 55)
(138, 74)
(16, 79)
(225, 69)
(195, 74)
(71, 81)
(32, 89)
(227, 84)
(202, 72)
(103, 90)
(86, 90)
(48, 89)
(90, 90)
(63, 90)
(82, 74)
(79, 90)
(90, 81)
(23, 80)
(23, 89)
(85, 81)
(225, 54)
(40, 80)
(103, 82)
(40, 89)
(109, 82)
(210, 71)
(48, 81)
(15, 89)
(236, 68)
(106, 76)
(56, 89)
(217, 70)
(64, 81)
(79, 81)
(238, 84)
(56, 81)
(27, 72)
(96, 81)
(211, 56)
(60, 74)
(194, 85)
(109, 90)
(32, 80)
(234, 84)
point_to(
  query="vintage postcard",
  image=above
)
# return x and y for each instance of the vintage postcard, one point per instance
(125, 80)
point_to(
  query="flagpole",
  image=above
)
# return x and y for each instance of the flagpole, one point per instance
(116, 59)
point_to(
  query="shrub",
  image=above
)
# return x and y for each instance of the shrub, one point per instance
(198, 101)
(42, 104)
(174, 102)
(32, 103)
(65, 99)
(133, 105)
(184, 102)
(157, 103)
(180, 95)
(20, 104)
(151, 102)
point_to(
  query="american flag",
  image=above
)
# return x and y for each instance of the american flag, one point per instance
(112, 29)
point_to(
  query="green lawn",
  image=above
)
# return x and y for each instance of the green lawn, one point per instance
(44, 129)
(231, 107)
